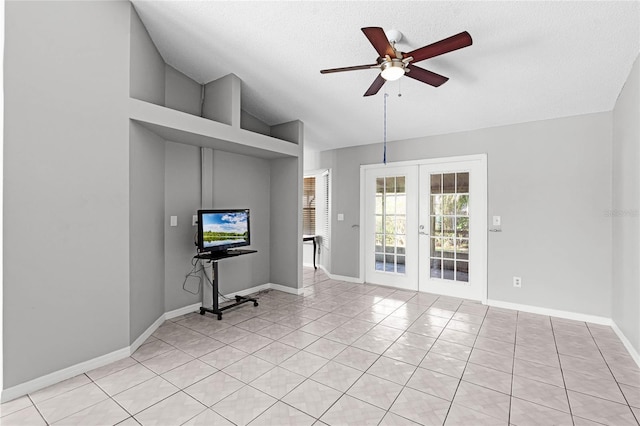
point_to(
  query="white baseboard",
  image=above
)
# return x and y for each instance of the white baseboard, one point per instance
(69, 372)
(551, 312)
(286, 289)
(267, 286)
(60, 375)
(145, 335)
(246, 291)
(181, 311)
(627, 344)
(80, 368)
(594, 319)
(336, 277)
(72, 371)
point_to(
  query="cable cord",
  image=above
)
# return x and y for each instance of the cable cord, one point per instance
(193, 273)
(384, 151)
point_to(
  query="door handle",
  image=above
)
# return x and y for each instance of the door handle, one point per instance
(423, 233)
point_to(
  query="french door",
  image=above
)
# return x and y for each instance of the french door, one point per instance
(452, 234)
(425, 226)
(392, 249)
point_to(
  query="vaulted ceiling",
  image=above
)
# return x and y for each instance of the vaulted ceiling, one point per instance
(529, 61)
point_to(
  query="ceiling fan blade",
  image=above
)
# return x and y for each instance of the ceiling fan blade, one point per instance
(354, 68)
(379, 40)
(375, 86)
(426, 76)
(450, 44)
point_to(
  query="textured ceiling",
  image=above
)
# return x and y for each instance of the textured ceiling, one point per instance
(529, 61)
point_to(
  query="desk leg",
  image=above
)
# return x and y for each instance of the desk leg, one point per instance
(314, 253)
(216, 309)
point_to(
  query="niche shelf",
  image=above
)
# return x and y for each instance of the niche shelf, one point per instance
(178, 126)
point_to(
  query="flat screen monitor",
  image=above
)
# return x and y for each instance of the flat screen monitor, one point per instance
(220, 230)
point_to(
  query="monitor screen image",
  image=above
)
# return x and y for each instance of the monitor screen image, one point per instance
(222, 229)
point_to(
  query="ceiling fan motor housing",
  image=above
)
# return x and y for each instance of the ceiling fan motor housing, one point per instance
(394, 36)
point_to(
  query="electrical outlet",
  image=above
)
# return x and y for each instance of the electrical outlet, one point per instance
(194, 220)
(517, 282)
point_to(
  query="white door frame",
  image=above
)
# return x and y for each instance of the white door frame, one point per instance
(411, 274)
(482, 207)
(2, 6)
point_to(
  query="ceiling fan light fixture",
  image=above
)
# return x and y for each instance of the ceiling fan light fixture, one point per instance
(392, 70)
(393, 63)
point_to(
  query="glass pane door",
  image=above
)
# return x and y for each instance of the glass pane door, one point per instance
(391, 218)
(391, 224)
(449, 230)
(453, 214)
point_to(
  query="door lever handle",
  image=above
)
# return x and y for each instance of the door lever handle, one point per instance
(423, 233)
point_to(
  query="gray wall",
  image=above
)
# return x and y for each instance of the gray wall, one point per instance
(238, 181)
(182, 199)
(146, 229)
(551, 183)
(66, 185)
(284, 240)
(146, 72)
(249, 122)
(181, 92)
(222, 100)
(626, 208)
(241, 182)
(90, 259)
(286, 223)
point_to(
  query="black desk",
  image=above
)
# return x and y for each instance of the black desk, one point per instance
(214, 258)
(313, 238)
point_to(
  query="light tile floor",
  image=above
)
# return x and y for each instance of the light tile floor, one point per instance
(353, 354)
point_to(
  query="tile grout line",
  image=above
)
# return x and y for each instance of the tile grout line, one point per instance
(343, 290)
(388, 410)
(612, 375)
(132, 416)
(37, 409)
(363, 373)
(513, 367)
(564, 382)
(465, 365)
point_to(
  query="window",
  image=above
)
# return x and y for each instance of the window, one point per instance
(309, 206)
(450, 226)
(316, 205)
(325, 214)
(391, 221)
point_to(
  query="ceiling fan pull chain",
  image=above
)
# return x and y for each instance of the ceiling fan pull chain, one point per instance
(384, 151)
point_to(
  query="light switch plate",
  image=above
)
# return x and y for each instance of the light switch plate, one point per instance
(174, 221)
(340, 217)
(194, 220)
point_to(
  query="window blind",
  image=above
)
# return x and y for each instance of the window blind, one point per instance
(309, 206)
(325, 228)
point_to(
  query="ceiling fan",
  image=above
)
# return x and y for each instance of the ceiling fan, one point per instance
(394, 64)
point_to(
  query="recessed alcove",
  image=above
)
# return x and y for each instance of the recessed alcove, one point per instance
(192, 146)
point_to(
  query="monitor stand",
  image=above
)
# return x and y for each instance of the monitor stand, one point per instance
(214, 257)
